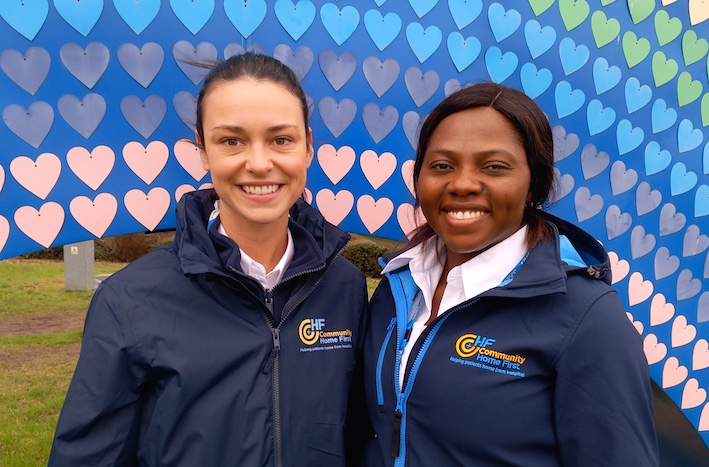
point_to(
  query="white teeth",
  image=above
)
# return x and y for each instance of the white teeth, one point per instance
(260, 190)
(464, 214)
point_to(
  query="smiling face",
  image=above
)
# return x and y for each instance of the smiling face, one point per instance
(257, 149)
(474, 182)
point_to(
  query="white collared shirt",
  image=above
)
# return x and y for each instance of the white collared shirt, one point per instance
(477, 275)
(256, 270)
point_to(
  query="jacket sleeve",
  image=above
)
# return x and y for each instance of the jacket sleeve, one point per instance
(99, 422)
(603, 398)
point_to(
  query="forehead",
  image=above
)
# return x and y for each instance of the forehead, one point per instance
(476, 126)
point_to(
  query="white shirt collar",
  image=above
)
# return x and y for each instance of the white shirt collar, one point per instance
(256, 270)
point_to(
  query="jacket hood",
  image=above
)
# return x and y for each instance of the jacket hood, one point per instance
(201, 250)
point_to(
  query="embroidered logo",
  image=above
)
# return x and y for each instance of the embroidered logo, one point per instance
(475, 350)
(313, 331)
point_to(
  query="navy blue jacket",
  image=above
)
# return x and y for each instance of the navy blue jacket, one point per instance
(546, 370)
(186, 361)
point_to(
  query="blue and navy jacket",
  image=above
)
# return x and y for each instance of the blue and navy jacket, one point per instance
(186, 361)
(543, 370)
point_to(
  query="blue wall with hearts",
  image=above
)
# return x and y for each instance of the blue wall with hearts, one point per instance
(97, 95)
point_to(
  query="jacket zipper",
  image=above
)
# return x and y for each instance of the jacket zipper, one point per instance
(380, 362)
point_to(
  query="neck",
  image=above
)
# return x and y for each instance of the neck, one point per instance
(265, 244)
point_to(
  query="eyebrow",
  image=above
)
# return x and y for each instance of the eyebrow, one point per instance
(272, 129)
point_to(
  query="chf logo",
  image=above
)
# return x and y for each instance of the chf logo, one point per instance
(310, 329)
(468, 345)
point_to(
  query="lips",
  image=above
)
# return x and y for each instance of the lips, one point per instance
(260, 189)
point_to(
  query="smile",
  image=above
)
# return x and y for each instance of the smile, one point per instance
(260, 190)
(463, 215)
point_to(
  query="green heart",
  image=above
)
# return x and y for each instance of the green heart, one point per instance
(606, 2)
(688, 90)
(635, 49)
(663, 70)
(540, 6)
(693, 49)
(573, 13)
(705, 109)
(666, 28)
(641, 9)
(604, 30)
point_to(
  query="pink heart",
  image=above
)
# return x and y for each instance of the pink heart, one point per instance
(692, 395)
(42, 226)
(334, 207)
(654, 351)
(409, 219)
(407, 173)
(4, 232)
(619, 267)
(374, 214)
(92, 167)
(181, 190)
(336, 163)
(148, 209)
(37, 177)
(636, 324)
(673, 373)
(146, 162)
(2, 177)
(187, 154)
(308, 196)
(700, 355)
(95, 216)
(377, 169)
(639, 289)
(660, 311)
(698, 11)
(704, 419)
(682, 333)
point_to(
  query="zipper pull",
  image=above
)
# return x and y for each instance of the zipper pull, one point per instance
(396, 434)
(268, 301)
(276, 332)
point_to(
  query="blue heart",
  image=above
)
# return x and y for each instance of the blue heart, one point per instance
(340, 24)
(87, 65)
(568, 100)
(573, 57)
(605, 78)
(599, 119)
(423, 42)
(688, 137)
(186, 55)
(421, 86)
(29, 70)
(194, 14)
(535, 82)
(337, 116)
(421, 7)
(82, 15)
(411, 124)
(656, 159)
(144, 116)
(32, 124)
(681, 180)
(539, 39)
(636, 96)
(564, 144)
(500, 66)
(338, 69)
(26, 17)
(141, 64)
(299, 60)
(380, 2)
(185, 105)
(382, 29)
(705, 159)
(295, 19)
(84, 115)
(701, 201)
(465, 12)
(463, 51)
(662, 116)
(381, 76)
(628, 138)
(137, 15)
(245, 15)
(503, 23)
(379, 122)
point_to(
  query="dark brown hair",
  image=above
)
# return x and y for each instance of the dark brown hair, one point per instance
(251, 66)
(535, 136)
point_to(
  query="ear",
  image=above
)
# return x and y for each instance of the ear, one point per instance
(309, 142)
(202, 152)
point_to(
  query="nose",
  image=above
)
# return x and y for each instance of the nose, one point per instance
(258, 159)
(464, 182)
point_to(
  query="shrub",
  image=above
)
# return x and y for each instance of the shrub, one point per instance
(365, 254)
